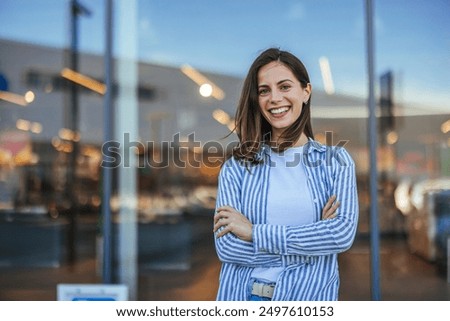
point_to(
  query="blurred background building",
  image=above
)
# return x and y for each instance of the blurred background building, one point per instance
(190, 58)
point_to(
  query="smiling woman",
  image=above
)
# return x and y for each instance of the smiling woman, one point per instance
(275, 104)
(281, 98)
(279, 221)
(188, 60)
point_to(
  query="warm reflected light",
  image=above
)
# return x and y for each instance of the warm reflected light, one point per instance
(96, 200)
(36, 128)
(197, 149)
(402, 198)
(23, 124)
(83, 80)
(13, 98)
(320, 137)
(445, 127)
(201, 80)
(206, 90)
(231, 126)
(68, 134)
(56, 142)
(26, 125)
(65, 133)
(221, 116)
(326, 75)
(392, 138)
(29, 96)
(65, 147)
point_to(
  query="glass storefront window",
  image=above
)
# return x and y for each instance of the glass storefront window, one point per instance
(190, 59)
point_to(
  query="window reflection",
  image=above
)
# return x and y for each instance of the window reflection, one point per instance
(192, 55)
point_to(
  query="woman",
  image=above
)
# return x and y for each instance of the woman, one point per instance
(278, 225)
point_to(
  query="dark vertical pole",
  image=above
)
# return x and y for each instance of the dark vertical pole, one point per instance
(107, 172)
(73, 123)
(374, 233)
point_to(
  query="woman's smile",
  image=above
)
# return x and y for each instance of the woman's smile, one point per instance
(279, 111)
(280, 96)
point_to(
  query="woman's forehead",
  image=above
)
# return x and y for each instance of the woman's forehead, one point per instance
(274, 70)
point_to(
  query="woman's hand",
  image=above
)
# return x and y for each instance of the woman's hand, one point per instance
(232, 222)
(329, 210)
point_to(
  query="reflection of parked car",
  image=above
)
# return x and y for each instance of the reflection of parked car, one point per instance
(442, 212)
(429, 222)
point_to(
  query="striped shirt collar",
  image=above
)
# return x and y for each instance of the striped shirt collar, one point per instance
(310, 146)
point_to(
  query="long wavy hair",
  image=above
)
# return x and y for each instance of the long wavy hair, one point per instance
(251, 127)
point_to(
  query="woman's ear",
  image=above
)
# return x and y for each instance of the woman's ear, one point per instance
(307, 90)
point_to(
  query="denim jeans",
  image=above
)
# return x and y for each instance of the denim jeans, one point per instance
(258, 298)
(254, 297)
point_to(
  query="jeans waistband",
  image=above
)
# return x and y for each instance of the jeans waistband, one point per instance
(263, 289)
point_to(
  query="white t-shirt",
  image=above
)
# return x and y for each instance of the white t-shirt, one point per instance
(289, 198)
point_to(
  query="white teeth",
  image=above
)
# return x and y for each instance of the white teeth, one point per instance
(278, 110)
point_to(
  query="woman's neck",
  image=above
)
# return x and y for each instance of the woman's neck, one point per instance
(302, 140)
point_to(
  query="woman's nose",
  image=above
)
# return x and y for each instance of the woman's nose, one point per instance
(276, 96)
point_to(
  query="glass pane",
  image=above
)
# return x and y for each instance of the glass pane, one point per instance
(192, 57)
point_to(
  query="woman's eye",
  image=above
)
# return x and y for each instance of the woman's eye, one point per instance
(263, 92)
(285, 87)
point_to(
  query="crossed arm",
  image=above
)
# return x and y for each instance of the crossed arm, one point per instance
(240, 241)
(236, 223)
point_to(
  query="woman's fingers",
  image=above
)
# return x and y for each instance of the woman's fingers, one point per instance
(219, 221)
(329, 210)
(329, 203)
(331, 213)
(222, 213)
(226, 209)
(228, 220)
(223, 217)
(226, 229)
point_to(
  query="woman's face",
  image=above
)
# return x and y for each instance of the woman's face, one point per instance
(280, 96)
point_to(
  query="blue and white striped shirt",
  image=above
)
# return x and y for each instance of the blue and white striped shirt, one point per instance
(308, 253)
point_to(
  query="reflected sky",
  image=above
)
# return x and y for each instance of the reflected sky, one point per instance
(412, 37)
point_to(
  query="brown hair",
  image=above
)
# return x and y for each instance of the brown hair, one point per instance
(252, 128)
